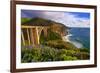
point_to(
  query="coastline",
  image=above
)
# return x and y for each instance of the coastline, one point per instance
(75, 43)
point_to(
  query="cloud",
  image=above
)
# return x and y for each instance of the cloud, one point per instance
(67, 18)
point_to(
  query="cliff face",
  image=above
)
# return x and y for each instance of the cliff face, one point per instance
(59, 28)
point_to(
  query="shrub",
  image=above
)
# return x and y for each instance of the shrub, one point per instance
(50, 36)
(67, 54)
(26, 55)
(68, 58)
(84, 50)
(30, 55)
(59, 44)
(53, 36)
(51, 54)
(82, 55)
(23, 20)
(38, 54)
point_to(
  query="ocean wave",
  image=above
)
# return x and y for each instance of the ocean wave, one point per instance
(75, 43)
(69, 35)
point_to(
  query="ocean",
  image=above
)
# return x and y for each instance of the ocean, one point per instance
(80, 37)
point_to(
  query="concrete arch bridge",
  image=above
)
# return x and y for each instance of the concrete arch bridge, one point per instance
(32, 34)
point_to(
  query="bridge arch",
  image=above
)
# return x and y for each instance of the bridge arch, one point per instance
(33, 34)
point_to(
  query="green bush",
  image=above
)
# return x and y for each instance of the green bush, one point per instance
(50, 36)
(38, 54)
(59, 44)
(51, 54)
(31, 55)
(77, 55)
(26, 55)
(53, 36)
(82, 55)
(43, 39)
(23, 20)
(68, 58)
(67, 54)
(84, 50)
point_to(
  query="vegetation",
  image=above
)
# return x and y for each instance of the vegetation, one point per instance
(51, 54)
(59, 44)
(23, 20)
(52, 48)
(51, 36)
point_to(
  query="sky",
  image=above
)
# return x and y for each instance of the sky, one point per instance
(70, 19)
